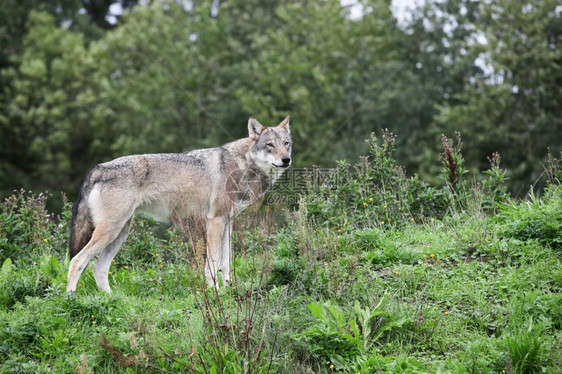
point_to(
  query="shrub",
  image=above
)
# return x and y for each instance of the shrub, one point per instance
(538, 218)
(376, 193)
(344, 338)
(27, 229)
(17, 284)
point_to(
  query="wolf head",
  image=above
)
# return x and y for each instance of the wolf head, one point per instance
(271, 148)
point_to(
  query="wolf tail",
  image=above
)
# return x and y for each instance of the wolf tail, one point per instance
(81, 225)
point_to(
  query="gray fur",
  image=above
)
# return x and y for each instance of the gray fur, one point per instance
(211, 184)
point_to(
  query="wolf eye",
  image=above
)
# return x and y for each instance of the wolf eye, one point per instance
(270, 145)
(286, 143)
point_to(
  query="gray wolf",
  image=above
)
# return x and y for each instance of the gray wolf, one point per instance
(212, 184)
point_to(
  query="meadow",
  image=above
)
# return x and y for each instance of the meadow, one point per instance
(371, 271)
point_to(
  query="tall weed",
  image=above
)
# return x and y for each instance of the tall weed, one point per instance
(495, 191)
(453, 171)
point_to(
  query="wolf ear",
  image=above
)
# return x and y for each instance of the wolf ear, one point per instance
(254, 128)
(285, 124)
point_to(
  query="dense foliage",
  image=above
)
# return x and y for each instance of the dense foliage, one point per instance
(168, 76)
(375, 272)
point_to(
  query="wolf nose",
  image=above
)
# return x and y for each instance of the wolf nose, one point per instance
(286, 160)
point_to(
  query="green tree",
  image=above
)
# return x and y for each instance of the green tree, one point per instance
(436, 65)
(167, 67)
(319, 65)
(43, 70)
(172, 77)
(45, 124)
(513, 107)
(14, 16)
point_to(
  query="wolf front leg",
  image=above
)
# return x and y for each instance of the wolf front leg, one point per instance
(225, 254)
(218, 250)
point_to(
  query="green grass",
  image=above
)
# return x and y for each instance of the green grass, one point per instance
(462, 287)
(446, 295)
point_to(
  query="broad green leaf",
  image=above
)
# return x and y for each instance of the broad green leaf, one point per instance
(7, 266)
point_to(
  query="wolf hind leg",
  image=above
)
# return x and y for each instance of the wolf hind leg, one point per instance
(101, 268)
(103, 235)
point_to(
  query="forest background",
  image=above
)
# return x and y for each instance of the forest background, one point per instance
(82, 82)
